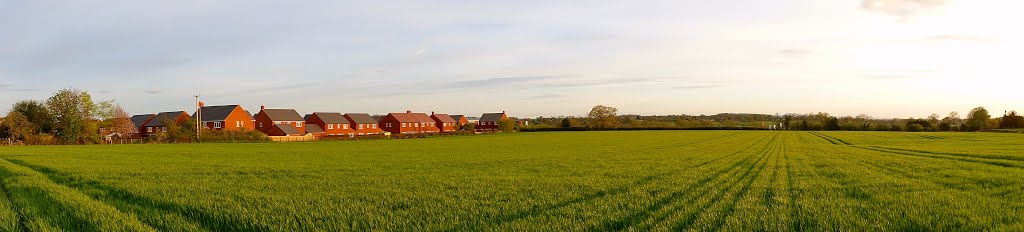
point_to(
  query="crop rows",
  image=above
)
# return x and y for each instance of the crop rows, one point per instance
(558, 181)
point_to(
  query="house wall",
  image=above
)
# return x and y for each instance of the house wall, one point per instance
(237, 117)
(443, 126)
(396, 126)
(338, 129)
(368, 129)
(489, 126)
(264, 124)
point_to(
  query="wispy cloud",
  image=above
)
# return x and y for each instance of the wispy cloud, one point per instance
(904, 9)
(796, 53)
(153, 91)
(105, 91)
(5, 85)
(503, 81)
(420, 52)
(888, 77)
(545, 96)
(692, 87)
(962, 38)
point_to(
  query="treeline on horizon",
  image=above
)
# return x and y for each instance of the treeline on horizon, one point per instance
(604, 117)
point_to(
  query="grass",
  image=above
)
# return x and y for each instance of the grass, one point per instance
(558, 181)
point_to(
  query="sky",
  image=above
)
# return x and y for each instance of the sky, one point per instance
(884, 58)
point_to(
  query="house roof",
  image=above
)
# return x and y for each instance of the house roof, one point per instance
(138, 120)
(161, 118)
(360, 118)
(314, 128)
(287, 129)
(444, 118)
(283, 115)
(250, 115)
(403, 117)
(306, 117)
(332, 117)
(422, 117)
(457, 117)
(216, 113)
(491, 117)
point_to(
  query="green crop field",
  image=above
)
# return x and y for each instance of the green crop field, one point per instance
(558, 181)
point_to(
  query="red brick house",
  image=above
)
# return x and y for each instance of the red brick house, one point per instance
(443, 122)
(268, 119)
(363, 124)
(489, 122)
(460, 120)
(226, 117)
(408, 123)
(333, 124)
(283, 130)
(158, 124)
(138, 121)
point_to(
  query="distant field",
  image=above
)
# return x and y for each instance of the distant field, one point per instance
(558, 181)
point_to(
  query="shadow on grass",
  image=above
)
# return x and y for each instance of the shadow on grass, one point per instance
(145, 207)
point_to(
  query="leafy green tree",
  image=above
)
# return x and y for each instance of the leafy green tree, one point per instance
(832, 124)
(506, 125)
(469, 127)
(604, 117)
(977, 120)
(72, 112)
(36, 113)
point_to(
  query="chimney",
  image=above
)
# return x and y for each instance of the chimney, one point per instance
(408, 111)
(202, 104)
(263, 107)
(502, 112)
(431, 112)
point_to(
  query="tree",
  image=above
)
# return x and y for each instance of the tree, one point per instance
(786, 121)
(951, 122)
(469, 127)
(120, 122)
(1011, 120)
(977, 120)
(506, 125)
(17, 127)
(832, 124)
(604, 117)
(73, 112)
(36, 113)
(934, 121)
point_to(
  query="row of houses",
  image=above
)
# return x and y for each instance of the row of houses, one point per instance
(288, 122)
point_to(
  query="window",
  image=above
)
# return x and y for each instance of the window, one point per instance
(261, 124)
(361, 126)
(416, 124)
(346, 126)
(330, 126)
(238, 123)
(374, 126)
(149, 129)
(217, 124)
(298, 124)
(403, 124)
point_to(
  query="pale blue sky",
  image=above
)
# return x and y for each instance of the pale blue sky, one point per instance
(885, 58)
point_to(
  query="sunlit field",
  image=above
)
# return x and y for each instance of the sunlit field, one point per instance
(558, 181)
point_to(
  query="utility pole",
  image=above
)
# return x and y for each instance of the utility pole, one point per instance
(199, 117)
